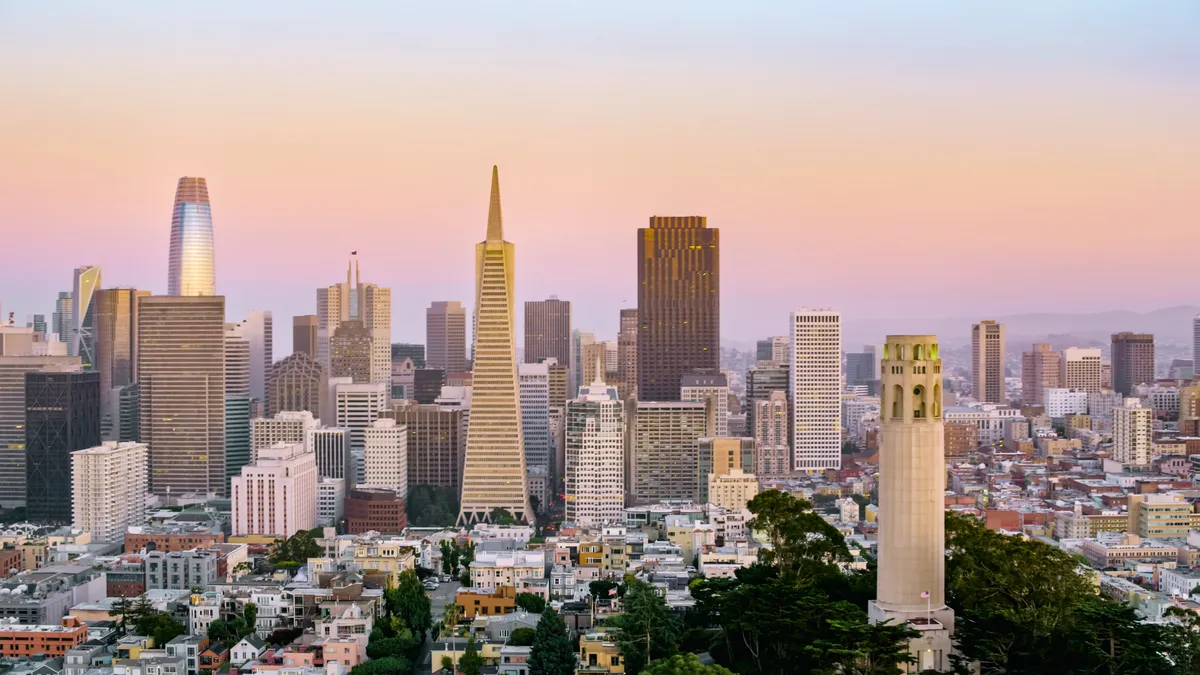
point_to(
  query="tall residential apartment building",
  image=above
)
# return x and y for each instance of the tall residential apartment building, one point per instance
(700, 387)
(62, 415)
(664, 450)
(277, 494)
(436, 441)
(1041, 369)
(191, 268)
(494, 467)
(385, 456)
(771, 434)
(816, 391)
(357, 301)
(108, 489)
(284, 427)
(446, 336)
(181, 382)
(82, 342)
(1080, 369)
(350, 352)
(548, 330)
(535, 414)
(304, 335)
(987, 362)
(1132, 361)
(595, 457)
(1133, 433)
(627, 354)
(912, 489)
(298, 382)
(355, 407)
(679, 303)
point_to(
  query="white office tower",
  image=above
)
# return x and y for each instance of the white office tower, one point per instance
(1133, 433)
(385, 456)
(355, 406)
(535, 413)
(331, 445)
(108, 484)
(912, 488)
(595, 456)
(276, 495)
(289, 426)
(703, 388)
(816, 372)
(258, 330)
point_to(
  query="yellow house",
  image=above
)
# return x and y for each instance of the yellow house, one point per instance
(598, 653)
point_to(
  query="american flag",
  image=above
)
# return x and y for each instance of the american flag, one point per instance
(925, 594)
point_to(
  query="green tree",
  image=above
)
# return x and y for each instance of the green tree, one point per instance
(803, 544)
(534, 604)
(646, 629)
(551, 652)
(408, 603)
(522, 637)
(470, 663)
(684, 664)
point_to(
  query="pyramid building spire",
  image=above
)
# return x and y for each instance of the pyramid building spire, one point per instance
(494, 465)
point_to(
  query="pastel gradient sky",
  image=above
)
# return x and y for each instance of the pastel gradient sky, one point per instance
(1019, 156)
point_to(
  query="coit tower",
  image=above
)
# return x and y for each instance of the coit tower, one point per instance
(912, 488)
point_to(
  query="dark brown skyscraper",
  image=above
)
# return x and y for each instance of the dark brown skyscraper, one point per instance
(548, 330)
(304, 335)
(679, 303)
(1132, 361)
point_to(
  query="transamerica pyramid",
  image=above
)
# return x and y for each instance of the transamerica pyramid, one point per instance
(494, 467)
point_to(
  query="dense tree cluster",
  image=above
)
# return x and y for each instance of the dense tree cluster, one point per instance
(431, 506)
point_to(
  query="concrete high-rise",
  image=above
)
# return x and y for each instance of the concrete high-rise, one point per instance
(595, 457)
(297, 382)
(771, 433)
(181, 379)
(191, 266)
(1133, 433)
(108, 489)
(258, 330)
(1132, 361)
(912, 487)
(350, 351)
(435, 443)
(679, 303)
(62, 415)
(116, 349)
(494, 466)
(385, 456)
(357, 301)
(277, 494)
(627, 354)
(82, 342)
(304, 335)
(548, 330)
(987, 362)
(816, 389)
(1041, 369)
(664, 449)
(1080, 369)
(703, 387)
(446, 336)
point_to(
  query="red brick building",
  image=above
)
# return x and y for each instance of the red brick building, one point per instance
(372, 508)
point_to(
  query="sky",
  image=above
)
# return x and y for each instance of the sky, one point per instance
(885, 159)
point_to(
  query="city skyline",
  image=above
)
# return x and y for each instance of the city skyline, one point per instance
(983, 139)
